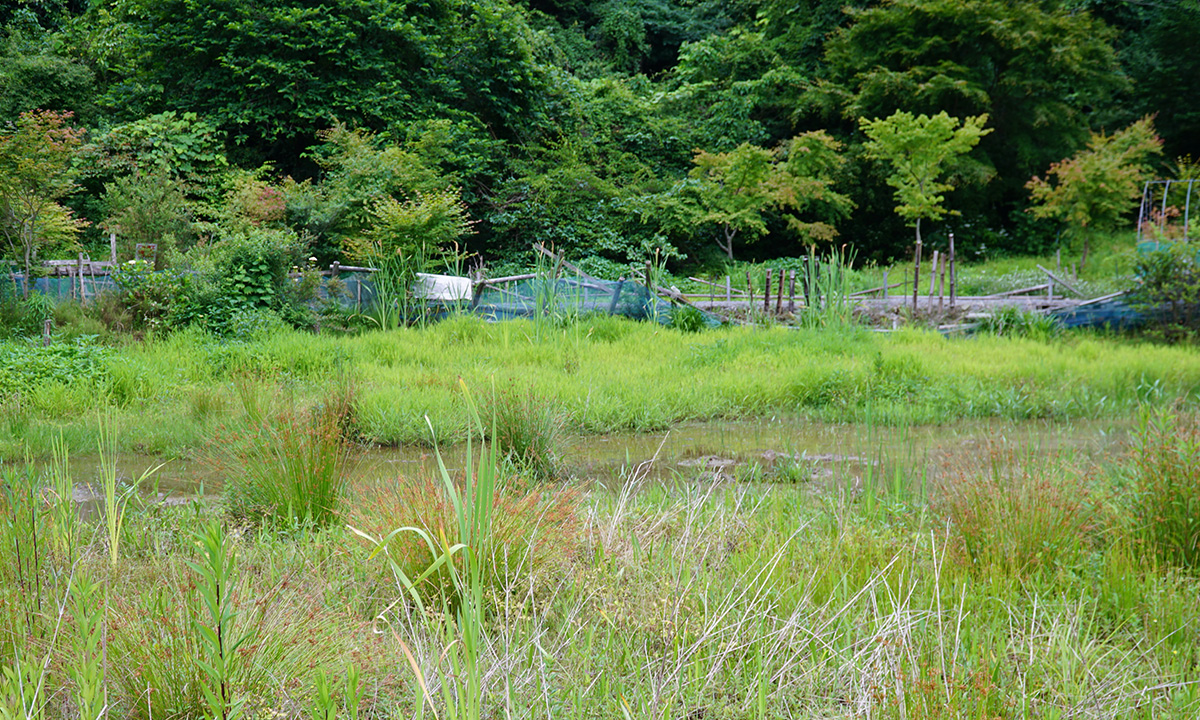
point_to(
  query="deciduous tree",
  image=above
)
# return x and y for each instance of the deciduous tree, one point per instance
(36, 174)
(920, 149)
(1093, 189)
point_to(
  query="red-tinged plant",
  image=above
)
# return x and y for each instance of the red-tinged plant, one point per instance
(36, 172)
(1165, 466)
(1019, 515)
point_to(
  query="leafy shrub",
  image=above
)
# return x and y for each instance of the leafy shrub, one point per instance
(1166, 479)
(153, 299)
(1170, 291)
(1019, 516)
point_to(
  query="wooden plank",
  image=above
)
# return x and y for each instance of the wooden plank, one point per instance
(1060, 281)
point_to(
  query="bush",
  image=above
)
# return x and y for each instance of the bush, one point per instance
(1170, 291)
(1166, 480)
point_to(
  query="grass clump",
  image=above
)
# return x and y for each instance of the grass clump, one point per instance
(1165, 468)
(1019, 516)
(283, 463)
(527, 431)
(532, 536)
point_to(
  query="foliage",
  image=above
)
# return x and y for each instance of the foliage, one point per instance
(24, 367)
(360, 171)
(421, 227)
(24, 317)
(526, 430)
(1096, 187)
(217, 582)
(45, 80)
(1169, 293)
(149, 208)
(739, 190)
(273, 75)
(285, 464)
(1164, 466)
(1011, 320)
(36, 174)
(920, 150)
(1036, 69)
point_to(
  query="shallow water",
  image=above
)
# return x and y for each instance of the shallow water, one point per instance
(732, 448)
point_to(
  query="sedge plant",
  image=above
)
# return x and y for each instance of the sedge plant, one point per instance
(460, 624)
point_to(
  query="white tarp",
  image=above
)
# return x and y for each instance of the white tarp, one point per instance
(446, 288)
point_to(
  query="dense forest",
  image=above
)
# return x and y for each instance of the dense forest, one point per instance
(698, 129)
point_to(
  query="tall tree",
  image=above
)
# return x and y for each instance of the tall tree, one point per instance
(740, 190)
(920, 149)
(1037, 69)
(1092, 190)
(272, 73)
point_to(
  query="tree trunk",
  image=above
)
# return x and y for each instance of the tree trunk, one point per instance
(727, 246)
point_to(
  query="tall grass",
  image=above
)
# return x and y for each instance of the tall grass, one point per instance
(1166, 485)
(284, 463)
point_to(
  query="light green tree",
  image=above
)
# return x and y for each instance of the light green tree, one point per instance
(739, 190)
(920, 151)
(1094, 188)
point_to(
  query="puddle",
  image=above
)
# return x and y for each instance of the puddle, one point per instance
(690, 450)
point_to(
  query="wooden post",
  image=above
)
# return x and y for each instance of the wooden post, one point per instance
(750, 290)
(335, 267)
(883, 293)
(916, 275)
(792, 291)
(649, 282)
(112, 248)
(941, 284)
(953, 274)
(46, 332)
(767, 292)
(728, 290)
(933, 271)
(79, 272)
(779, 295)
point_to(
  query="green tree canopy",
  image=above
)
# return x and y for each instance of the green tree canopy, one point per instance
(740, 190)
(1036, 69)
(272, 73)
(920, 149)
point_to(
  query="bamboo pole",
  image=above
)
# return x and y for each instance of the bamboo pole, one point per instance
(767, 292)
(779, 295)
(953, 274)
(916, 275)
(792, 291)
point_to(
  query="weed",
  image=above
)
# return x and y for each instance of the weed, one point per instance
(1018, 515)
(527, 431)
(1165, 466)
(284, 463)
